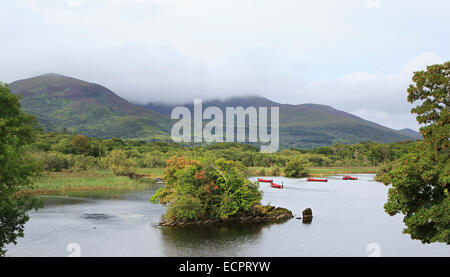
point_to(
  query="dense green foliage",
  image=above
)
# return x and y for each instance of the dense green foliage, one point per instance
(420, 183)
(16, 168)
(120, 164)
(296, 168)
(61, 152)
(206, 190)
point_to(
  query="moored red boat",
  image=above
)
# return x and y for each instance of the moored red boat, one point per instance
(349, 178)
(276, 186)
(316, 180)
(265, 180)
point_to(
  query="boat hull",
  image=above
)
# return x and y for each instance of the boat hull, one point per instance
(277, 186)
(316, 180)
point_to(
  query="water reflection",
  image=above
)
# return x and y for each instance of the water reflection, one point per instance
(50, 201)
(208, 239)
(97, 216)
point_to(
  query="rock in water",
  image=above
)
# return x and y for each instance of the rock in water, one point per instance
(307, 215)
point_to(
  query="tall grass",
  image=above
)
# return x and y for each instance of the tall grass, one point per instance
(60, 182)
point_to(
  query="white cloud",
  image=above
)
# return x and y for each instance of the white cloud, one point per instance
(331, 52)
(376, 97)
(73, 3)
(373, 3)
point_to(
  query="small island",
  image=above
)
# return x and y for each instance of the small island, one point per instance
(212, 192)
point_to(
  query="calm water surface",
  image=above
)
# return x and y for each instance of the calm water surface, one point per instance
(348, 216)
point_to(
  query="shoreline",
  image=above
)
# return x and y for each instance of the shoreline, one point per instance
(272, 214)
(66, 190)
(97, 181)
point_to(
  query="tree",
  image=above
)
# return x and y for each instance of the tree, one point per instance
(420, 184)
(120, 164)
(296, 168)
(211, 189)
(16, 130)
(81, 143)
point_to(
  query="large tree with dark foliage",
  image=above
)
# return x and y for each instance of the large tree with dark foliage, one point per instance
(16, 130)
(420, 184)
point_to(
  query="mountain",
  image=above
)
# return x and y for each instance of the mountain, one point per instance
(87, 108)
(60, 102)
(411, 133)
(308, 125)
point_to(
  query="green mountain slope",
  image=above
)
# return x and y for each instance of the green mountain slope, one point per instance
(62, 102)
(309, 125)
(411, 133)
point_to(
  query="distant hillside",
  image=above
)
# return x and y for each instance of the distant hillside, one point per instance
(63, 102)
(309, 125)
(411, 133)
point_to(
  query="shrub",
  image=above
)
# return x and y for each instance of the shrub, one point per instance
(296, 168)
(153, 160)
(55, 162)
(275, 171)
(209, 189)
(83, 163)
(81, 144)
(185, 208)
(262, 172)
(63, 146)
(120, 164)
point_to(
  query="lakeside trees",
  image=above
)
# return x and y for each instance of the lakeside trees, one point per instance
(420, 183)
(296, 168)
(120, 164)
(17, 129)
(58, 152)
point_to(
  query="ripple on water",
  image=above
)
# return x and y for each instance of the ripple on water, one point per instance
(97, 216)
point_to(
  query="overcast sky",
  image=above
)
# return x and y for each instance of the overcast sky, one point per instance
(355, 55)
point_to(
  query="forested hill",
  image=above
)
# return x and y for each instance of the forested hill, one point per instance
(65, 103)
(309, 125)
(61, 102)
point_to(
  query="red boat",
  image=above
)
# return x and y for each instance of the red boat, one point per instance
(316, 180)
(276, 186)
(349, 178)
(264, 180)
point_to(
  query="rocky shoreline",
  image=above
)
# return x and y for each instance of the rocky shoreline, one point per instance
(270, 214)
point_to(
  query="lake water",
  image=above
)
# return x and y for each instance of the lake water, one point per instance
(348, 221)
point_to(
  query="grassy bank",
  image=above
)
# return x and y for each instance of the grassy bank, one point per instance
(64, 182)
(157, 172)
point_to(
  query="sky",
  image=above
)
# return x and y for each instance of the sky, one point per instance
(354, 55)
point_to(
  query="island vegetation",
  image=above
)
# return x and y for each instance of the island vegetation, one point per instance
(211, 191)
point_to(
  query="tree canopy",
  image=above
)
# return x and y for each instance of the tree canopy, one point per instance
(16, 130)
(420, 184)
(206, 190)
